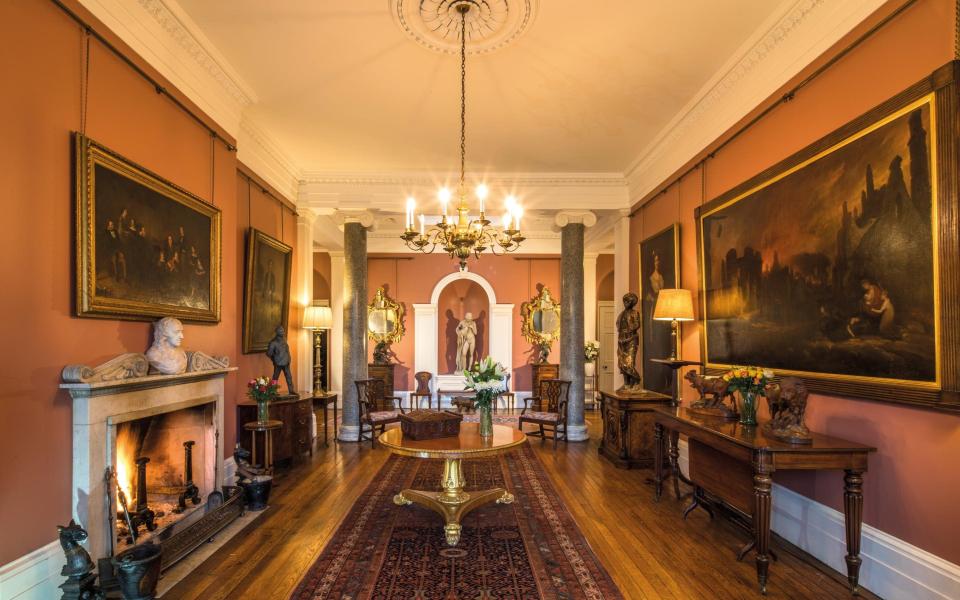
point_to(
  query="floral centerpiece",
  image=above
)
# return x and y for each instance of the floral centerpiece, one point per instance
(486, 378)
(750, 382)
(263, 390)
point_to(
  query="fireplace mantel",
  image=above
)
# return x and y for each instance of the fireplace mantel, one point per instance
(111, 394)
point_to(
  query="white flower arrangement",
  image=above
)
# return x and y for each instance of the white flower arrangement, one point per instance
(591, 350)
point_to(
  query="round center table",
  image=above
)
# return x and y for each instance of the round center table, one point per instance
(451, 502)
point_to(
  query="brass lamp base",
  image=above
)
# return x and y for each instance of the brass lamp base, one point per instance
(452, 503)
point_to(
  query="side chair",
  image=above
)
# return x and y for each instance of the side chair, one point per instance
(551, 404)
(376, 408)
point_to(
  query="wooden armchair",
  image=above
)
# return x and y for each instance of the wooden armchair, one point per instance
(551, 411)
(508, 396)
(423, 390)
(374, 408)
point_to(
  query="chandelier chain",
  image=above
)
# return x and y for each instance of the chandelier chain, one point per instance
(463, 98)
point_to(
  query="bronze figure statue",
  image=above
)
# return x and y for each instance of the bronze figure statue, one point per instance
(383, 354)
(628, 342)
(278, 350)
(788, 403)
(718, 390)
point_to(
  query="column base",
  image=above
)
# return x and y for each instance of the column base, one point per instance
(578, 433)
(348, 433)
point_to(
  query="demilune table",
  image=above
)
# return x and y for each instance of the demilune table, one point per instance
(452, 502)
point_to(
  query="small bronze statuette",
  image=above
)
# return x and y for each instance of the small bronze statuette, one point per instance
(278, 351)
(788, 403)
(80, 583)
(628, 342)
(383, 354)
(713, 391)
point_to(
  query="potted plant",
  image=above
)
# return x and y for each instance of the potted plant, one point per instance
(263, 391)
(750, 382)
(486, 378)
(591, 350)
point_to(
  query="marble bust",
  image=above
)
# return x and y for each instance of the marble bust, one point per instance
(166, 356)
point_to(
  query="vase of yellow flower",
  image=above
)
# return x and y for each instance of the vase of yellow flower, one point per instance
(486, 378)
(750, 383)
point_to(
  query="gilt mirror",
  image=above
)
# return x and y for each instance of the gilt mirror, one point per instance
(384, 318)
(541, 318)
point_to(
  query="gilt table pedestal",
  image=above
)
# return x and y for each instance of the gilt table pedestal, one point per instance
(452, 502)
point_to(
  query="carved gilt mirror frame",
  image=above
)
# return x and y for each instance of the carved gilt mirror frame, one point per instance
(540, 318)
(384, 318)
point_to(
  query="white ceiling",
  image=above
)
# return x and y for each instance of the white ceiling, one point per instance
(340, 87)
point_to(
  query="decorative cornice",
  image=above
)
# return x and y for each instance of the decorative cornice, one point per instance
(261, 152)
(603, 179)
(778, 50)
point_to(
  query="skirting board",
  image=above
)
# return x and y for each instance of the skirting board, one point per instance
(36, 576)
(892, 568)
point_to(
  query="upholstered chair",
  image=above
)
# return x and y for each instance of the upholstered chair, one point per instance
(551, 404)
(423, 390)
(376, 408)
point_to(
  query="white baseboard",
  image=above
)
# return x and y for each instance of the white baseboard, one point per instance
(33, 576)
(892, 568)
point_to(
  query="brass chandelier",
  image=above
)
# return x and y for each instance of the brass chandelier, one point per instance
(459, 235)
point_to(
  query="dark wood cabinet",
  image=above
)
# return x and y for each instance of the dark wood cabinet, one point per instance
(385, 374)
(627, 420)
(543, 371)
(293, 439)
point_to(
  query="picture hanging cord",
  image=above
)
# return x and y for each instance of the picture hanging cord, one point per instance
(787, 97)
(213, 168)
(139, 71)
(85, 80)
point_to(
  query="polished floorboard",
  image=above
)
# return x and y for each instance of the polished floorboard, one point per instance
(646, 547)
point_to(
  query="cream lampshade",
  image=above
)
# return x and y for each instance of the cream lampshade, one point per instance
(674, 305)
(316, 319)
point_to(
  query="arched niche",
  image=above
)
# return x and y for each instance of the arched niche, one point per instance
(427, 330)
(457, 300)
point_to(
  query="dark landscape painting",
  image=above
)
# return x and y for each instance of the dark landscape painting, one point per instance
(829, 268)
(658, 270)
(147, 248)
(266, 291)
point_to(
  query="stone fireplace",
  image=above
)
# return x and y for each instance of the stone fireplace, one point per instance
(120, 413)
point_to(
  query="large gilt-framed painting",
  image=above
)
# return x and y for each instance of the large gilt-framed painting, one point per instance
(836, 265)
(266, 290)
(145, 248)
(659, 269)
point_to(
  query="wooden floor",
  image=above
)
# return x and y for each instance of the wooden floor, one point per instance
(647, 548)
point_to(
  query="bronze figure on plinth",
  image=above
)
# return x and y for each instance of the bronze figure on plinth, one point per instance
(628, 343)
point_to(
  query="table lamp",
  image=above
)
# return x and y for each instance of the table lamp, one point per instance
(674, 305)
(318, 319)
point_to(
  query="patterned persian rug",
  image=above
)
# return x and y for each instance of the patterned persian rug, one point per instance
(530, 549)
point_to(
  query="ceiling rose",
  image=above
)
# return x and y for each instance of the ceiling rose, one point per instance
(491, 24)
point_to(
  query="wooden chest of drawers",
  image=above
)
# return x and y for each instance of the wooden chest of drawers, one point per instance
(293, 439)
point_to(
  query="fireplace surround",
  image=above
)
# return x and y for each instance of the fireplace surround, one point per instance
(121, 391)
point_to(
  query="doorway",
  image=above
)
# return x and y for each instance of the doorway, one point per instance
(606, 335)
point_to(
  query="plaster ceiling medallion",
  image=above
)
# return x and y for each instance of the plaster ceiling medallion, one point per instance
(491, 24)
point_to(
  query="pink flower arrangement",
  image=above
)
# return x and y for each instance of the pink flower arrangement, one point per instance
(262, 389)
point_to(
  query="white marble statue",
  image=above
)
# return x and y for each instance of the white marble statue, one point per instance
(466, 342)
(168, 358)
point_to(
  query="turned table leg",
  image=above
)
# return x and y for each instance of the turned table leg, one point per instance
(853, 519)
(675, 462)
(658, 460)
(761, 524)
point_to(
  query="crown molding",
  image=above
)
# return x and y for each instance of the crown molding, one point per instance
(779, 49)
(261, 152)
(164, 35)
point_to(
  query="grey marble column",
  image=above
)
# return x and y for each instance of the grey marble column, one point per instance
(571, 325)
(354, 325)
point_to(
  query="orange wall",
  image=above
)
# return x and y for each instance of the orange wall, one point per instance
(321, 276)
(410, 280)
(41, 63)
(913, 481)
(605, 277)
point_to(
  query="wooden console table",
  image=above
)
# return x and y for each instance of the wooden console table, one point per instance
(293, 440)
(627, 419)
(735, 463)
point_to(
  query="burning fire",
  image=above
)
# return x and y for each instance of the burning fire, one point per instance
(126, 448)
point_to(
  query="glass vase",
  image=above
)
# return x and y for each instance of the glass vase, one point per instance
(263, 410)
(748, 408)
(484, 403)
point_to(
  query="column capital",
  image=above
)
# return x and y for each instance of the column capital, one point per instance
(306, 216)
(565, 217)
(344, 216)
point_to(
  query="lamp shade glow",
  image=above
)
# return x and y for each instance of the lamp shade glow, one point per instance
(674, 304)
(318, 317)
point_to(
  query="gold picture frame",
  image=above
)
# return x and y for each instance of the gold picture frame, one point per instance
(266, 289)
(872, 261)
(144, 247)
(659, 252)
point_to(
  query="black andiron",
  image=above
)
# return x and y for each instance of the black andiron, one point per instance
(190, 491)
(81, 581)
(141, 513)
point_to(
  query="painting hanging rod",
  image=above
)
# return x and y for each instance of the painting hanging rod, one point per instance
(130, 63)
(787, 97)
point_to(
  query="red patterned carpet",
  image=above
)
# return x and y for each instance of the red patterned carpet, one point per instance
(530, 549)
